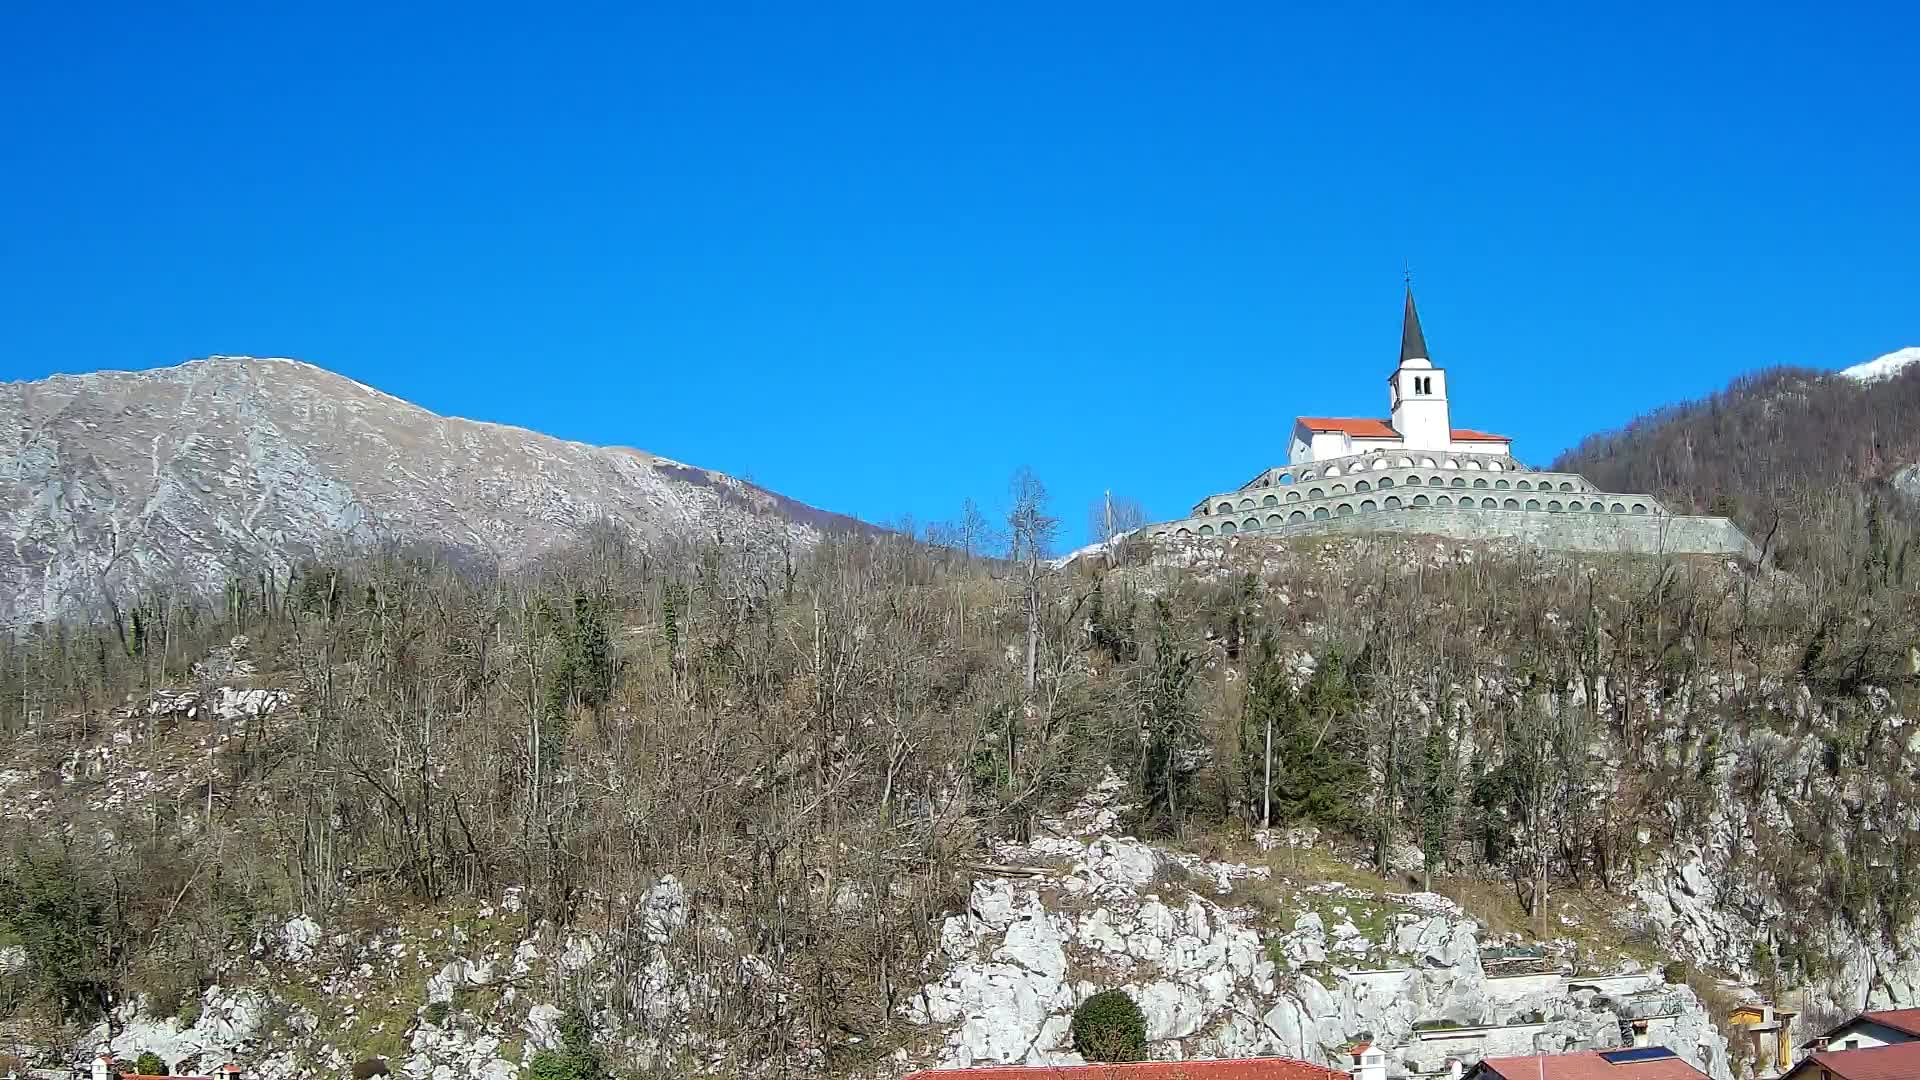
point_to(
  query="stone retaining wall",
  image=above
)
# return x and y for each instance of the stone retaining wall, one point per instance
(1649, 534)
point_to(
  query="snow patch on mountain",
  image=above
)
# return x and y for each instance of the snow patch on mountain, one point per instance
(1885, 367)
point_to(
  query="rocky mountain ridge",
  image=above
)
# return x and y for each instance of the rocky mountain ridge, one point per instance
(124, 481)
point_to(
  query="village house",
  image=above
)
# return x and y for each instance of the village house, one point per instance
(1895, 1061)
(1879, 1045)
(1638, 1063)
(1885, 1027)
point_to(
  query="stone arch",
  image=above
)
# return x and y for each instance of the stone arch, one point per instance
(1510, 504)
(1344, 509)
(1368, 506)
(1566, 485)
(1472, 464)
(1479, 481)
(1339, 489)
(1378, 464)
(1227, 528)
(1413, 480)
(1403, 462)
(1386, 482)
(1185, 534)
(1422, 500)
(1362, 485)
(1443, 501)
(1224, 508)
(1274, 522)
(1270, 500)
(1296, 517)
(1639, 508)
(1439, 481)
(1459, 481)
(1306, 476)
(1316, 493)
(1533, 504)
(1331, 470)
(1427, 463)
(1392, 502)
(1488, 503)
(1526, 485)
(1553, 506)
(1252, 524)
(1206, 530)
(1285, 478)
(1320, 513)
(1453, 463)
(1247, 503)
(1293, 496)
(1495, 466)
(1502, 484)
(1619, 508)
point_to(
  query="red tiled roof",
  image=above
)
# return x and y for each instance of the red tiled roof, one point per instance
(1907, 1020)
(1274, 1068)
(1900, 1061)
(1461, 434)
(1589, 1065)
(1363, 427)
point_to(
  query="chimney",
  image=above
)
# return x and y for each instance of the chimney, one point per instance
(1369, 1062)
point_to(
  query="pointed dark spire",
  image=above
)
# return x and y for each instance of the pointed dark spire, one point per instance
(1412, 342)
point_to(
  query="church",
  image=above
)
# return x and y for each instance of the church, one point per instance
(1417, 416)
(1412, 471)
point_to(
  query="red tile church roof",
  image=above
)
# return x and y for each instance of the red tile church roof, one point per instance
(1365, 427)
(1274, 1068)
(1361, 427)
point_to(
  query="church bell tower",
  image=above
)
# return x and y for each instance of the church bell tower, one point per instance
(1419, 390)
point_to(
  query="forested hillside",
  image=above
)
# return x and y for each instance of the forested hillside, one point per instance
(1781, 451)
(819, 751)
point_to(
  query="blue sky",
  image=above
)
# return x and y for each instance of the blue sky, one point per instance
(876, 257)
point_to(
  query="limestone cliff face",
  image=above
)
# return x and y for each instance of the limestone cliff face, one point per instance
(1321, 967)
(117, 481)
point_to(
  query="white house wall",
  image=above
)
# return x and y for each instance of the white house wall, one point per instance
(1865, 1035)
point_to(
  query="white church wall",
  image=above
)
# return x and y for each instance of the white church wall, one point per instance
(1331, 444)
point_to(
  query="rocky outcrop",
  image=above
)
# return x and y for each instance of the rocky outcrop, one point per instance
(1323, 967)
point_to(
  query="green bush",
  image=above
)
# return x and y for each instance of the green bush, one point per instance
(1109, 1027)
(149, 1064)
(563, 1065)
(575, 1059)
